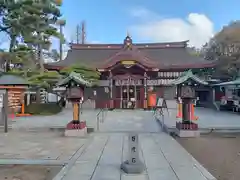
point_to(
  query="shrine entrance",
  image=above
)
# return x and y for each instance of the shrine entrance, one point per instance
(129, 97)
(128, 86)
(129, 94)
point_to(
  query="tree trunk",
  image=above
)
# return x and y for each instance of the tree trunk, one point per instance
(40, 60)
(39, 54)
(38, 96)
(11, 46)
(12, 42)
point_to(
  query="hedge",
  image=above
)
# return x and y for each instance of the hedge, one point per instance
(43, 109)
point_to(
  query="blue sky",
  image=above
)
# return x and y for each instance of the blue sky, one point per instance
(108, 20)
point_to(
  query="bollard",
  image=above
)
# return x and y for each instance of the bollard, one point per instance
(133, 165)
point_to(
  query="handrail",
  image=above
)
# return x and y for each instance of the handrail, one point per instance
(101, 112)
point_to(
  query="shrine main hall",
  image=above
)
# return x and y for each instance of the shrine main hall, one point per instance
(130, 72)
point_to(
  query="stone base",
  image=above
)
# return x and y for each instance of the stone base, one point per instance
(132, 168)
(76, 132)
(187, 133)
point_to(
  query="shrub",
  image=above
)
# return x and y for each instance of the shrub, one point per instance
(43, 109)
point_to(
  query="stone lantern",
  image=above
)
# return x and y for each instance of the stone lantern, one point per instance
(186, 85)
(75, 85)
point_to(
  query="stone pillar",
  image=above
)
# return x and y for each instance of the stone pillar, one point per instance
(133, 165)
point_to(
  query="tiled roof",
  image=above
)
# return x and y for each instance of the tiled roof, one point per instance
(229, 83)
(164, 55)
(74, 77)
(189, 75)
(12, 80)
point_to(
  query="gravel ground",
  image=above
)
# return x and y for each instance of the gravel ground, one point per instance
(218, 153)
(27, 172)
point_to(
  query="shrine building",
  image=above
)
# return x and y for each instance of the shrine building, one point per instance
(131, 71)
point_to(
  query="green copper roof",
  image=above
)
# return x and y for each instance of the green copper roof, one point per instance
(77, 78)
(13, 80)
(235, 82)
(186, 76)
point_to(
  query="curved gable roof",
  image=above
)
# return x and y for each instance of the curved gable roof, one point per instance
(161, 55)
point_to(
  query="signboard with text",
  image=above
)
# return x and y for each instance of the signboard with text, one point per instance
(133, 149)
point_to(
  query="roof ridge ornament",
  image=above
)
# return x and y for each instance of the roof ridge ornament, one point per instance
(128, 41)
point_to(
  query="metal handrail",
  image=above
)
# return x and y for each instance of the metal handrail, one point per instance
(103, 115)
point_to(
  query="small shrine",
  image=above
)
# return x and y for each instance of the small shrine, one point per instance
(75, 85)
(15, 87)
(186, 85)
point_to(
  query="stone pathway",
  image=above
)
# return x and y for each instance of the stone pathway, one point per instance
(98, 156)
(208, 119)
(43, 147)
(164, 159)
(55, 121)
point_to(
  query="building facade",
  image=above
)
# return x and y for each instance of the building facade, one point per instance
(131, 72)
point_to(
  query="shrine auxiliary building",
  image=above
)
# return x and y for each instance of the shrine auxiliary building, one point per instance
(130, 72)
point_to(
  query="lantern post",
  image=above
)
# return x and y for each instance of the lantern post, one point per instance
(75, 86)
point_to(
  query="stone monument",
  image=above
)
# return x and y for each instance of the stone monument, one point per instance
(133, 165)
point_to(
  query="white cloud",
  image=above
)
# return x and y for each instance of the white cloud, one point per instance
(197, 28)
(140, 12)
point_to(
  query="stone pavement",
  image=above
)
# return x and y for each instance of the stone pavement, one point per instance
(43, 147)
(208, 119)
(60, 120)
(98, 156)
(164, 159)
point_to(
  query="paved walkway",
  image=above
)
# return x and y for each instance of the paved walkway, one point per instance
(101, 156)
(59, 120)
(208, 119)
(164, 158)
(98, 156)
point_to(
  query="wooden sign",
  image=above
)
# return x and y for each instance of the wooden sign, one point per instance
(128, 82)
(187, 92)
(161, 103)
(128, 62)
(75, 93)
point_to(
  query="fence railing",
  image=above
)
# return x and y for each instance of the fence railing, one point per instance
(101, 115)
